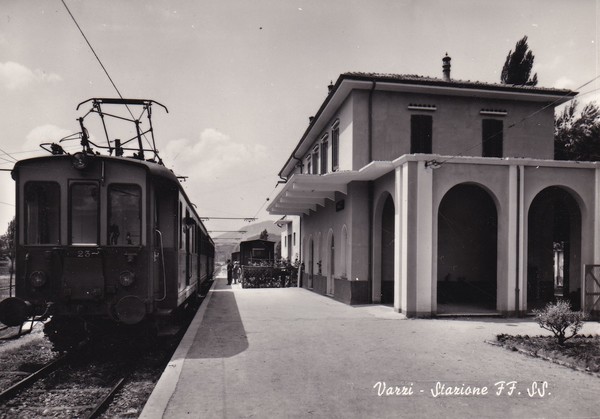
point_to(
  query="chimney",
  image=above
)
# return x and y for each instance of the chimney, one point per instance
(446, 67)
(330, 87)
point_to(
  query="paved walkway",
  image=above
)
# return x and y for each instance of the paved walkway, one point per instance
(290, 353)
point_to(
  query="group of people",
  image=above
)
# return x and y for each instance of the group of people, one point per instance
(233, 272)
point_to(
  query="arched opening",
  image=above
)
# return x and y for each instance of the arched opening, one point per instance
(387, 251)
(467, 251)
(553, 249)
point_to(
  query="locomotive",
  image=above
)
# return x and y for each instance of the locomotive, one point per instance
(105, 238)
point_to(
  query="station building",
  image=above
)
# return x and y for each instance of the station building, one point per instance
(290, 240)
(440, 196)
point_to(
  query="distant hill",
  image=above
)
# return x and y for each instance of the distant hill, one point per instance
(226, 243)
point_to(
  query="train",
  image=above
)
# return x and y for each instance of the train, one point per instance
(105, 238)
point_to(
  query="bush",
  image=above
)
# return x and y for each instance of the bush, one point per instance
(558, 318)
(268, 277)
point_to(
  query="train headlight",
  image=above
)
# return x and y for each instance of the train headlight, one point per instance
(126, 278)
(37, 279)
(80, 160)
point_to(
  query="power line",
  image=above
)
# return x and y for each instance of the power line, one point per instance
(100, 62)
(266, 200)
(8, 154)
(228, 218)
(92, 48)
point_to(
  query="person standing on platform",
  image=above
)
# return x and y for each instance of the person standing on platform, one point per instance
(229, 271)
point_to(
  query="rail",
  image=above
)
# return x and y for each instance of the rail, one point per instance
(32, 378)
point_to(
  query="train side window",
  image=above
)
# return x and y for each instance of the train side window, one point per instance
(180, 226)
(42, 208)
(85, 203)
(124, 215)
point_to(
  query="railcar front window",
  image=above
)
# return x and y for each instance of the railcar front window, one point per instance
(42, 203)
(124, 215)
(84, 213)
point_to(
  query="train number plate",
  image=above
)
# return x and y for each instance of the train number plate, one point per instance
(83, 253)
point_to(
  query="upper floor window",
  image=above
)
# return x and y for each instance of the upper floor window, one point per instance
(124, 215)
(315, 161)
(324, 153)
(421, 127)
(335, 147)
(492, 137)
(85, 204)
(308, 167)
(42, 204)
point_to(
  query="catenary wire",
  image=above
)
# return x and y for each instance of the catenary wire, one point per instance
(100, 62)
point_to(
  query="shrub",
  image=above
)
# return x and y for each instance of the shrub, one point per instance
(558, 318)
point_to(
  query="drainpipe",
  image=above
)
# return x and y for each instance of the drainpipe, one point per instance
(370, 248)
(283, 180)
(300, 279)
(518, 244)
(370, 193)
(370, 139)
(299, 163)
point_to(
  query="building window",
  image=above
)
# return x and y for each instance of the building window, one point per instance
(324, 152)
(294, 239)
(492, 137)
(315, 161)
(308, 167)
(124, 215)
(420, 134)
(335, 148)
(42, 204)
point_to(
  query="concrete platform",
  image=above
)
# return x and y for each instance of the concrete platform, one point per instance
(290, 353)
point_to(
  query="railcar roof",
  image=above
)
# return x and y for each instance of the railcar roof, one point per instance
(155, 169)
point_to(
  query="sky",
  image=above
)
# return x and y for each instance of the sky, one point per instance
(240, 78)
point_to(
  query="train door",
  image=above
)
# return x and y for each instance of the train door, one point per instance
(188, 250)
(157, 246)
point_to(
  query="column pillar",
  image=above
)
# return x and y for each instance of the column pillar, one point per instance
(417, 239)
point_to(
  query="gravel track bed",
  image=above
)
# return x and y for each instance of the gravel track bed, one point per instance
(74, 389)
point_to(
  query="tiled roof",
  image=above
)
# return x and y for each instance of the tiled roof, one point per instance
(416, 79)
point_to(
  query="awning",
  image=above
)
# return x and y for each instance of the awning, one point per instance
(305, 192)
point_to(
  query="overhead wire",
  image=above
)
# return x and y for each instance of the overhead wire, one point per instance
(266, 200)
(8, 155)
(101, 64)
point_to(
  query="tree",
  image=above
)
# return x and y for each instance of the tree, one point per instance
(264, 235)
(518, 64)
(7, 249)
(577, 135)
(7, 241)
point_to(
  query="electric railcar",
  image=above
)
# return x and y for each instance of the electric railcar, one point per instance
(104, 238)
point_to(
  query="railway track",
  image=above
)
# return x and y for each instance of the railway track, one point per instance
(68, 386)
(109, 376)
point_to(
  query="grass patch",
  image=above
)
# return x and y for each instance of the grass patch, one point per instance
(581, 352)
